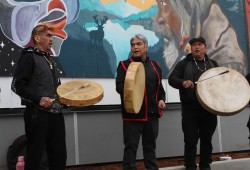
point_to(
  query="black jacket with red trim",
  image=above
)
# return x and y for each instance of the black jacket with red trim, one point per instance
(154, 90)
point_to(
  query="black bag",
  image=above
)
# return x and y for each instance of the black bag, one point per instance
(18, 148)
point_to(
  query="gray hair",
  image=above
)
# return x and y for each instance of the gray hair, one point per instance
(140, 37)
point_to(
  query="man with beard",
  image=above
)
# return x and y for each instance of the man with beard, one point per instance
(178, 20)
(35, 82)
(197, 123)
(146, 122)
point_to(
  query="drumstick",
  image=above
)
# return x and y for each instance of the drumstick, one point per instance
(79, 88)
(224, 72)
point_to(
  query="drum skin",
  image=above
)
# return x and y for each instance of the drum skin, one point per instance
(226, 94)
(134, 87)
(80, 93)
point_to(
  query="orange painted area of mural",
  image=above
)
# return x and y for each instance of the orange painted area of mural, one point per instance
(107, 1)
(247, 5)
(142, 4)
(56, 4)
(60, 23)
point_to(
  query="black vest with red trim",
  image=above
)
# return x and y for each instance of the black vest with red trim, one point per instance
(151, 93)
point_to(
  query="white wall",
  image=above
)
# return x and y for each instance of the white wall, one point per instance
(8, 99)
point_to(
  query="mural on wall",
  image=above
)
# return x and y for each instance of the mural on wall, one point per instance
(221, 23)
(92, 36)
(19, 17)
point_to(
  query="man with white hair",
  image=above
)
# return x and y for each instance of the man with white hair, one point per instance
(145, 123)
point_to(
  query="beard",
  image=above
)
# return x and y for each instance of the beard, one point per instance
(190, 14)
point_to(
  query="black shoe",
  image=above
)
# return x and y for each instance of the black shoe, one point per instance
(204, 166)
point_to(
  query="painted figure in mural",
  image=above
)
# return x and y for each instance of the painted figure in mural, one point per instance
(178, 20)
(17, 19)
(96, 36)
(35, 82)
(146, 122)
(197, 123)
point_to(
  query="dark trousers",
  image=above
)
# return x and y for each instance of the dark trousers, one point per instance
(132, 130)
(198, 124)
(45, 130)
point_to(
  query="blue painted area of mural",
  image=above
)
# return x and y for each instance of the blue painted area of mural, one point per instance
(149, 13)
(99, 56)
(235, 12)
(94, 5)
(73, 10)
(121, 8)
(99, 34)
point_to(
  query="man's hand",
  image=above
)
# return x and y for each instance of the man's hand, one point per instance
(161, 104)
(46, 102)
(188, 84)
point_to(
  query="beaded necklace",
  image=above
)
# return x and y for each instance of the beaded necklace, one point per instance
(205, 66)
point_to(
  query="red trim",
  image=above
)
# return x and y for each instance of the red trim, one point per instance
(131, 60)
(123, 65)
(159, 83)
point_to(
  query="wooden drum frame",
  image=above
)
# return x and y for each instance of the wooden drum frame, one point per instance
(134, 87)
(223, 91)
(80, 93)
